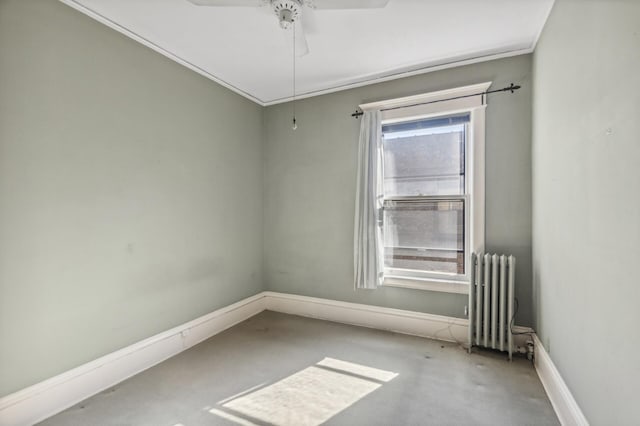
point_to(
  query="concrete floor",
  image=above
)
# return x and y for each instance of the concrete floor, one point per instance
(284, 369)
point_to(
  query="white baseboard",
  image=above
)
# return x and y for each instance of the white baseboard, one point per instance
(565, 406)
(58, 393)
(438, 327)
(401, 321)
(44, 399)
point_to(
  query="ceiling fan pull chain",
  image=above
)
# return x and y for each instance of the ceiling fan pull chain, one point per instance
(294, 124)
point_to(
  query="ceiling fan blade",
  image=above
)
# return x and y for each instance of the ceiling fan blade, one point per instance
(309, 21)
(349, 4)
(238, 3)
(301, 40)
(302, 48)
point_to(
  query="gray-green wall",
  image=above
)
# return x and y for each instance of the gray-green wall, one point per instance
(136, 195)
(586, 202)
(310, 176)
(130, 192)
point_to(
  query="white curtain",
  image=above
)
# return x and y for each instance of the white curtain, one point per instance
(368, 247)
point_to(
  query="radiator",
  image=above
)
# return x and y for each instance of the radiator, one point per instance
(491, 300)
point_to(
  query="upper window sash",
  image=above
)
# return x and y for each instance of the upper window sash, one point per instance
(417, 175)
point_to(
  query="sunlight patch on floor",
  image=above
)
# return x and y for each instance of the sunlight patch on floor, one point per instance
(308, 397)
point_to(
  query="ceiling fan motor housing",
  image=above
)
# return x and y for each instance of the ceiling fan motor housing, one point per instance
(288, 11)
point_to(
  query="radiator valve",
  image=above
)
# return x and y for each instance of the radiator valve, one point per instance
(530, 351)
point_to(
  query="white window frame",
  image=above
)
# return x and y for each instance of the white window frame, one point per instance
(416, 108)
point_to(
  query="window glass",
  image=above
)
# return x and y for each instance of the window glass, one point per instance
(425, 235)
(424, 157)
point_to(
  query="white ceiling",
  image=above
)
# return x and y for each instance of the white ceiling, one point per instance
(244, 48)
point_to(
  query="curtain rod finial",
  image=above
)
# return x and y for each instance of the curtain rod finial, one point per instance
(513, 87)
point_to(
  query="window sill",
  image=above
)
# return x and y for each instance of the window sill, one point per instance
(429, 284)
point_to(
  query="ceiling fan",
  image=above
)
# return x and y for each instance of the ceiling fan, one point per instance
(290, 12)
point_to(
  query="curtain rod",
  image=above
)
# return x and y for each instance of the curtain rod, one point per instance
(511, 88)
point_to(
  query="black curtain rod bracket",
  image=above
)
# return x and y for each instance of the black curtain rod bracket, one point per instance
(511, 88)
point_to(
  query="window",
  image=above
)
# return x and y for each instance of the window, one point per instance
(424, 212)
(433, 180)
